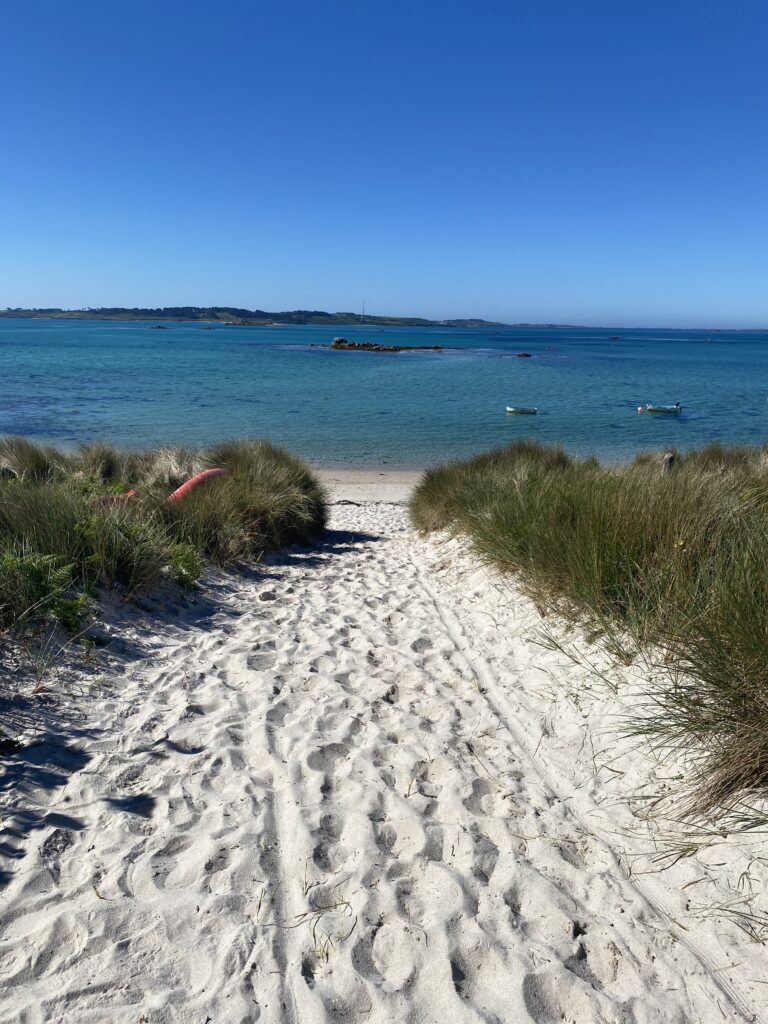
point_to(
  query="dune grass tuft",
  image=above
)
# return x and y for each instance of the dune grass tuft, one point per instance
(267, 500)
(58, 542)
(641, 558)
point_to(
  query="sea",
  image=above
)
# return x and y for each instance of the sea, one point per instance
(71, 382)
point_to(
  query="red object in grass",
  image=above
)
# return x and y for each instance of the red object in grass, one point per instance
(178, 494)
(112, 499)
(193, 482)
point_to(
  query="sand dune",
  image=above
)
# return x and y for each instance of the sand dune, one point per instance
(343, 794)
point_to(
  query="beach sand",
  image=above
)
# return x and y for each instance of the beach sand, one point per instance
(350, 785)
(372, 485)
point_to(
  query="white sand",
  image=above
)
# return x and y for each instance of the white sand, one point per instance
(352, 788)
(370, 485)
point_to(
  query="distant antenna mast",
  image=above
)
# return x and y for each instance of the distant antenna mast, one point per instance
(363, 307)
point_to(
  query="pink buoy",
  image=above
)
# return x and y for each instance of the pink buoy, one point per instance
(180, 492)
(194, 482)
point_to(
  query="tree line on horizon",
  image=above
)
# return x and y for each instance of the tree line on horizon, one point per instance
(236, 314)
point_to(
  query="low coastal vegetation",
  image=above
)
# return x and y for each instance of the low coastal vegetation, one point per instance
(666, 558)
(233, 315)
(66, 529)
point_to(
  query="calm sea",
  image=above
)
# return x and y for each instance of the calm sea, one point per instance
(71, 382)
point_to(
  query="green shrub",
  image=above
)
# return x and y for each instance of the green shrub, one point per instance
(58, 540)
(122, 546)
(29, 584)
(185, 564)
(71, 612)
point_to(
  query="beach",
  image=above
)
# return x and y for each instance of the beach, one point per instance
(351, 783)
(370, 485)
(384, 514)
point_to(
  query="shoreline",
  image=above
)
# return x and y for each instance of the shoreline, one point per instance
(369, 485)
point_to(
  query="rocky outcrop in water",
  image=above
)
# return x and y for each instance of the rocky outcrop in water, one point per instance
(342, 344)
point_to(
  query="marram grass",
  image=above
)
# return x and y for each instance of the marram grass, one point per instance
(642, 556)
(57, 543)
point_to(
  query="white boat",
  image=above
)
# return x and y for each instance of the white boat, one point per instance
(522, 410)
(673, 410)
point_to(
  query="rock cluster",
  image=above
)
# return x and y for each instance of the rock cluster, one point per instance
(371, 346)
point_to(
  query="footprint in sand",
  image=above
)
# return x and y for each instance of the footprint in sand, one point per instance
(421, 645)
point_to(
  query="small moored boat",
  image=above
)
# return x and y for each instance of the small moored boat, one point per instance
(522, 410)
(673, 410)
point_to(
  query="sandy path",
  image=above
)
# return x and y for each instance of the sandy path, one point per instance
(320, 807)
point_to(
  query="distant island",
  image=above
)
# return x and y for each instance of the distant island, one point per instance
(232, 316)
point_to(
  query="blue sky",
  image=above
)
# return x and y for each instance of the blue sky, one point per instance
(590, 162)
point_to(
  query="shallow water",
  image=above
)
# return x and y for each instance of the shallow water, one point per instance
(70, 382)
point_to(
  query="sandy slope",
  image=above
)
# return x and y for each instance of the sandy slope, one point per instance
(328, 802)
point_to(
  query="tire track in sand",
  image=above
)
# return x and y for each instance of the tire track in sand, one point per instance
(493, 694)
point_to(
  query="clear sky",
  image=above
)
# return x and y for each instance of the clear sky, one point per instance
(599, 161)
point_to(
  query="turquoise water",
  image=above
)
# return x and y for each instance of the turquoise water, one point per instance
(70, 382)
